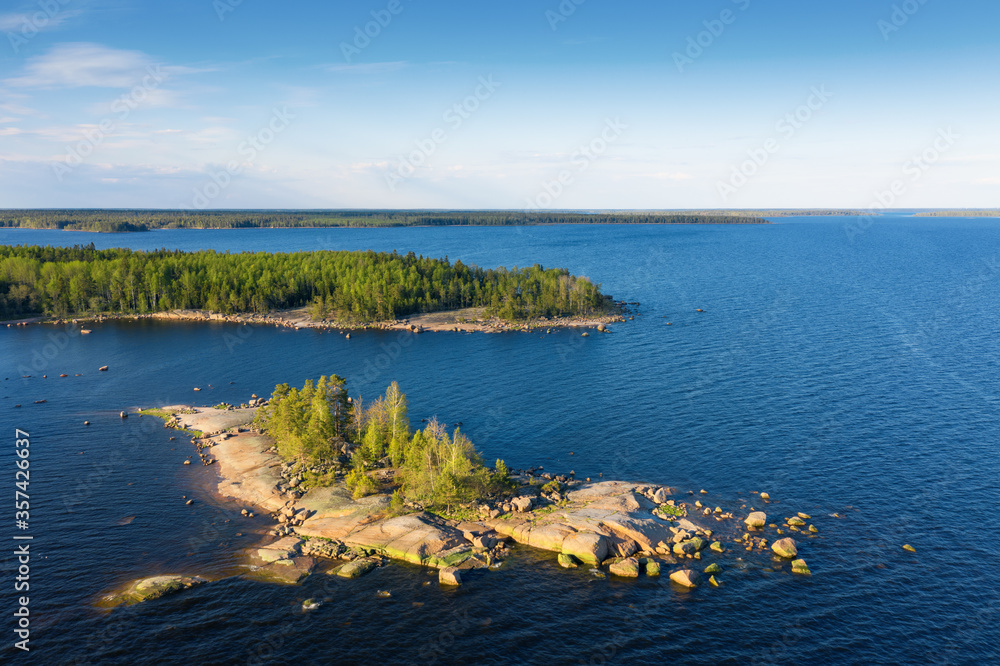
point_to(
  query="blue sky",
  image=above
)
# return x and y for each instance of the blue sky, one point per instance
(547, 104)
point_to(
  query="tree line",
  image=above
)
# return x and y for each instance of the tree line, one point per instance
(364, 286)
(319, 425)
(121, 221)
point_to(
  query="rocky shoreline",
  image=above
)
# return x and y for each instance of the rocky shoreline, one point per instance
(608, 528)
(460, 321)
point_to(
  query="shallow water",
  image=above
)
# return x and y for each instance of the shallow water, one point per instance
(831, 369)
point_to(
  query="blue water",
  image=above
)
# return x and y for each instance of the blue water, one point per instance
(847, 369)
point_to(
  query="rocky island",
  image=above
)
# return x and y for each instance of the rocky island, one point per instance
(323, 519)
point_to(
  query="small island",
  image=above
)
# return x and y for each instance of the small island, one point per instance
(350, 487)
(342, 290)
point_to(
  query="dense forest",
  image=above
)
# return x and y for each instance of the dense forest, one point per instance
(148, 220)
(319, 426)
(366, 286)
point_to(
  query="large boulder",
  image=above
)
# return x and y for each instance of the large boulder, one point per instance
(627, 568)
(785, 547)
(147, 589)
(588, 547)
(450, 576)
(686, 578)
(660, 496)
(521, 504)
(756, 520)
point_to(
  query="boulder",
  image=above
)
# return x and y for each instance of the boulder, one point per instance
(357, 568)
(686, 578)
(765, 496)
(147, 589)
(785, 547)
(717, 547)
(521, 504)
(652, 568)
(588, 547)
(756, 520)
(660, 496)
(627, 568)
(713, 568)
(796, 521)
(800, 567)
(450, 576)
(568, 561)
(689, 547)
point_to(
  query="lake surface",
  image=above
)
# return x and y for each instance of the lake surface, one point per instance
(842, 367)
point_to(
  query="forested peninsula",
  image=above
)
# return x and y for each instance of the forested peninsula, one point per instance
(148, 220)
(365, 286)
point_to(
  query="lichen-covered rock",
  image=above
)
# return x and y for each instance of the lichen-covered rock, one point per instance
(800, 567)
(568, 561)
(717, 547)
(785, 547)
(795, 521)
(713, 568)
(652, 568)
(627, 568)
(147, 589)
(689, 547)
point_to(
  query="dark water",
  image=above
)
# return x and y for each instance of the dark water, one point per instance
(831, 369)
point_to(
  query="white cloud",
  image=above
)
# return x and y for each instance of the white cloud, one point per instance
(36, 21)
(369, 68)
(80, 64)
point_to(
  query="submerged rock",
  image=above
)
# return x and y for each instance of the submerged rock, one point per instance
(147, 589)
(800, 567)
(357, 568)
